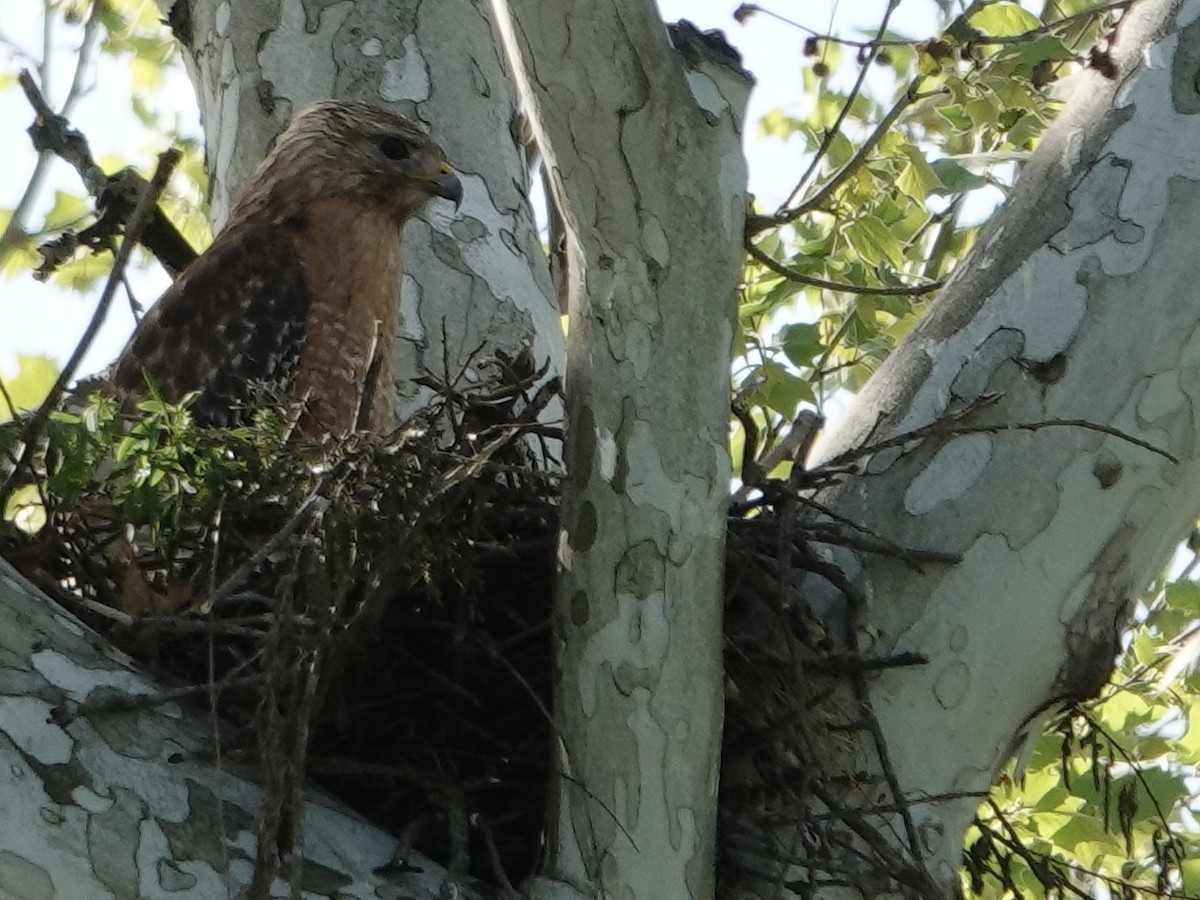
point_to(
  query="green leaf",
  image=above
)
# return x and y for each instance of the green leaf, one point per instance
(1080, 829)
(1003, 19)
(67, 210)
(872, 240)
(25, 509)
(30, 386)
(802, 343)
(776, 124)
(917, 179)
(1189, 870)
(782, 391)
(956, 179)
(1125, 710)
(1184, 596)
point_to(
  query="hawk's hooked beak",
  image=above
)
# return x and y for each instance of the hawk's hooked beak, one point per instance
(446, 185)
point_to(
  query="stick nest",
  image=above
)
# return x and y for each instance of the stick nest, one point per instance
(369, 611)
(374, 613)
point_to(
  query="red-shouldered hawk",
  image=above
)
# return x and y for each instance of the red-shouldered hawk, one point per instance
(300, 288)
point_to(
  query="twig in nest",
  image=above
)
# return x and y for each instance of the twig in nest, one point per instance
(242, 572)
(856, 605)
(911, 558)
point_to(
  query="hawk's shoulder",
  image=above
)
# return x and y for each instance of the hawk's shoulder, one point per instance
(234, 318)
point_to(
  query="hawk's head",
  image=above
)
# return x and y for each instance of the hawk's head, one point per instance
(354, 150)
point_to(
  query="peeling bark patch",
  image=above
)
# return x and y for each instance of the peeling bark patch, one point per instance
(406, 77)
(467, 228)
(933, 836)
(1162, 399)
(1097, 198)
(173, 879)
(198, 835)
(579, 609)
(952, 684)
(654, 242)
(313, 10)
(640, 571)
(26, 722)
(22, 880)
(78, 681)
(87, 799)
(972, 379)
(60, 783)
(322, 880)
(1185, 76)
(607, 445)
(1107, 468)
(112, 838)
(51, 817)
(950, 474)
(583, 535)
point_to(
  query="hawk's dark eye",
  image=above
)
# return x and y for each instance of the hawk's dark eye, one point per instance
(394, 147)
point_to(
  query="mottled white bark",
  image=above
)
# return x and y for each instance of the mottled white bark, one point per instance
(102, 798)
(1080, 302)
(477, 275)
(644, 159)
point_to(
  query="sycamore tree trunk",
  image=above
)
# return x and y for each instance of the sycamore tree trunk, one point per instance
(644, 157)
(1079, 304)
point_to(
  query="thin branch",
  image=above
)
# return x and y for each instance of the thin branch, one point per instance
(137, 221)
(814, 281)
(831, 133)
(788, 213)
(115, 195)
(83, 58)
(982, 40)
(14, 231)
(951, 428)
(744, 11)
(239, 576)
(856, 605)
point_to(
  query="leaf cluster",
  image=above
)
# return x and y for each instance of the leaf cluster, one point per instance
(893, 191)
(1109, 795)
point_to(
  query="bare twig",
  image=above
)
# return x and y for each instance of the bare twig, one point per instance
(856, 605)
(835, 129)
(14, 231)
(313, 501)
(115, 196)
(145, 205)
(788, 213)
(825, 284)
